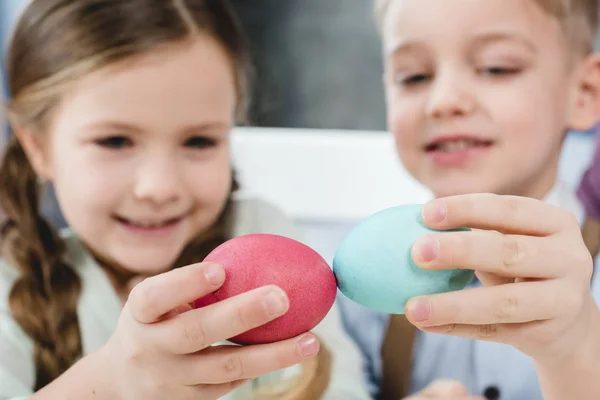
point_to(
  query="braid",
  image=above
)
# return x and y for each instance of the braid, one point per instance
(44, 299)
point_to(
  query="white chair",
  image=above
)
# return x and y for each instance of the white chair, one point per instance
(329, 180)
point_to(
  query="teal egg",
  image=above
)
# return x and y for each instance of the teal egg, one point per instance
(373, 264)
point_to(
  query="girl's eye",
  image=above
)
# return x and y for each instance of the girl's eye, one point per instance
(200, 142)
(115, 142)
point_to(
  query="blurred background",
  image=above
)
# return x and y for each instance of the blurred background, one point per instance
(318, 114)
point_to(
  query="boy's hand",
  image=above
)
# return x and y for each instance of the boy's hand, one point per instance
(444, 390)
(535, 268)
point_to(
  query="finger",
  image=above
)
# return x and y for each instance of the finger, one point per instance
(512, 303)
(197, 329)
(427, 397)
(488, 279)
(506, 255)
(154, 297)
(221, 364)
(445, 387)
(508, 214)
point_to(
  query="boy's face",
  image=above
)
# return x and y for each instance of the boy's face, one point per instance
(480, 93)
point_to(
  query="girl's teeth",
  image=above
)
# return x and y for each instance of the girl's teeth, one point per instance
(147, 224)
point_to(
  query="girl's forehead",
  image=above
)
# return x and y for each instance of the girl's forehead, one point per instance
(191, 86)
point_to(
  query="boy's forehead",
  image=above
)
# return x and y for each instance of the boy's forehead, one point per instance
(408, 22)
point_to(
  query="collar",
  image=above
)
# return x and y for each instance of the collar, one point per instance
(563, 196)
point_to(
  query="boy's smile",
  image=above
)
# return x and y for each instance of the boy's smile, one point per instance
(456, 149)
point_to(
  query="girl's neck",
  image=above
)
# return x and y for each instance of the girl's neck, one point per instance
(121, 278)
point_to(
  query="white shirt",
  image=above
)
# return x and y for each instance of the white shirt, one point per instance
(477, 364)
(99, 309)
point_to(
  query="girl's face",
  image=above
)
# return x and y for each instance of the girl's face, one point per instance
(139, 153)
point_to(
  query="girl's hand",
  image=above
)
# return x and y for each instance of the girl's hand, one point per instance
(535, 268)
(444, 390)
(162, 347)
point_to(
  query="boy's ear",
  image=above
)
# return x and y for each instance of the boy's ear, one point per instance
(35, 151)
(586, 107)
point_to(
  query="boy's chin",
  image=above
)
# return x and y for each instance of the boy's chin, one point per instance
(451, 187)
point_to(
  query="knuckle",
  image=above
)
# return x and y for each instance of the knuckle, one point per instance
(194, 334)
(233, 367)
(569, 220)
(487, 331)
(512, 252)
(281, 357)
(242, 320)
(573, 302)
(458, 250)
(513, 209)
(135, 354)
(142, 301)
(584, 263)
(507, 308)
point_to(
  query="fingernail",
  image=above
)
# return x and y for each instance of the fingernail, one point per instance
(426, 249)
(434, 212)
(308, 344)
(418, 310)
(275, 302)
(214, 274)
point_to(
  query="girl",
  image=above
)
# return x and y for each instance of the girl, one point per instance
(126, 107)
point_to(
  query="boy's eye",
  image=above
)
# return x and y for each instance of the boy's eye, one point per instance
(414, 79)
(499, 71)
(115, 142)
(199, 142)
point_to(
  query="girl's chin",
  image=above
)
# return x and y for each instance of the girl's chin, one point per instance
(147, 266)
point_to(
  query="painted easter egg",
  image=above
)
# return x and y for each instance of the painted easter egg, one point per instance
(374, 267)
(256, 260)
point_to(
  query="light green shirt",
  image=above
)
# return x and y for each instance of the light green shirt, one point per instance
(99, 309)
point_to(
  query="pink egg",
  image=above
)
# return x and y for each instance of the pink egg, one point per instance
(252, 261)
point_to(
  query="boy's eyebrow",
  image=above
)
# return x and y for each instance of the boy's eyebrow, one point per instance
(491, 37)
(401, 46)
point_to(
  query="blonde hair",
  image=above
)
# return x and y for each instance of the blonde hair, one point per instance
(579, 19)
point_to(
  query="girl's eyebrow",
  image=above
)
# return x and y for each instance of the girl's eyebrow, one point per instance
(133, 128)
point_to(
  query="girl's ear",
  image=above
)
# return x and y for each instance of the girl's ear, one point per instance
(35, 150)
(585, 110)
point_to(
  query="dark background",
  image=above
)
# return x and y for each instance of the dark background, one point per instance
(318, 63)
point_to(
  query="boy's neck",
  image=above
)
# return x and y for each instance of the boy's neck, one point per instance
(538, 188)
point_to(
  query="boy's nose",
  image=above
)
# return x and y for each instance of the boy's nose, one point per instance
(157, 182)
(449, 98)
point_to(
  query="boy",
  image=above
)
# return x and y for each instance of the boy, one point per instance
(480, 94)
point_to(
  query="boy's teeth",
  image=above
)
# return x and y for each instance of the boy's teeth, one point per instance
(456, 145)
